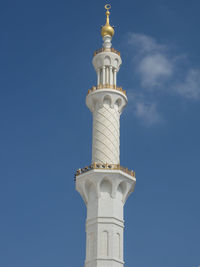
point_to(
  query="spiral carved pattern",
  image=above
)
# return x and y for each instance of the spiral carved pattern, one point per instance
(105, 135)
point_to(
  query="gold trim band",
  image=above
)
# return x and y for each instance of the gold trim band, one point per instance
(107, 50)
(105, 167)
(106, 86)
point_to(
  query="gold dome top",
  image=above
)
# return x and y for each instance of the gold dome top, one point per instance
(107, 29)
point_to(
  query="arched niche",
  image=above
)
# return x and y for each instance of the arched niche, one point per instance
(118, 104)
(107, 61)
(121, 190)
(107, 101)
(116, 63)
(104, 243)
(90, 190)
(105, 188)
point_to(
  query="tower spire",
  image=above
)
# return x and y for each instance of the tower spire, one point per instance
(107, 30)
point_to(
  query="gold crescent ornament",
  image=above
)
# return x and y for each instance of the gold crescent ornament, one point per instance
(107, 29)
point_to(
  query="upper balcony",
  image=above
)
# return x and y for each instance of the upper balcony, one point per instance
(107, 86)
(106, 50)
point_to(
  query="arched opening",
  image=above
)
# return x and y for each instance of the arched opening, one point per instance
(104, 243)
(107, 101)
(116, 63)
(107, 61)
(118, 102)
(106, 188)
(90, 190)
(121, 190)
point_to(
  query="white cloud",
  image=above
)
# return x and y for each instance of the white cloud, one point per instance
(151, 61)
(145, 109)
(154, 69)
(190, 87)
(144, 43)
(148, 113)
(157, 67)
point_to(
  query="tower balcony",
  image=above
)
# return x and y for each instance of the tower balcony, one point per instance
(106, 166)
(107, 50)
(106, 86)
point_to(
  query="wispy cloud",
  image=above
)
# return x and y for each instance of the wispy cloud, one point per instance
(154, 70)
(145, 109)
(157, 67)
(144, 43)
(190, 86)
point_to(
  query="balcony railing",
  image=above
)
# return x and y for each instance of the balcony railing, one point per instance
(106, 166)
(106, 86)
(107, 50)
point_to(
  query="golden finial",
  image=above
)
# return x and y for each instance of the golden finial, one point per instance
(107, 29)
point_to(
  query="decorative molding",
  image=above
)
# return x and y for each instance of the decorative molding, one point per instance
(107, 50)
(105, 167)
(117, 182)
(106, 86)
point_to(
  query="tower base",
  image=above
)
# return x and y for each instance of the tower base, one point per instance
(105, 193)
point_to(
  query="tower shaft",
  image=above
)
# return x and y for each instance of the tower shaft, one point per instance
(105, 145)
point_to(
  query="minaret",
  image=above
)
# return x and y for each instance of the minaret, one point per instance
(105, 185)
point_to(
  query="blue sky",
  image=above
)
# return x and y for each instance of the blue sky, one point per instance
(45, 72)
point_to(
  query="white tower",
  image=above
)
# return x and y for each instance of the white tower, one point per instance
(105, 185)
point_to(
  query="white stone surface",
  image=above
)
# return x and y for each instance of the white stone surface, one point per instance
(106, 106)
(107, 42)
(107, 64)
(105, 193)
